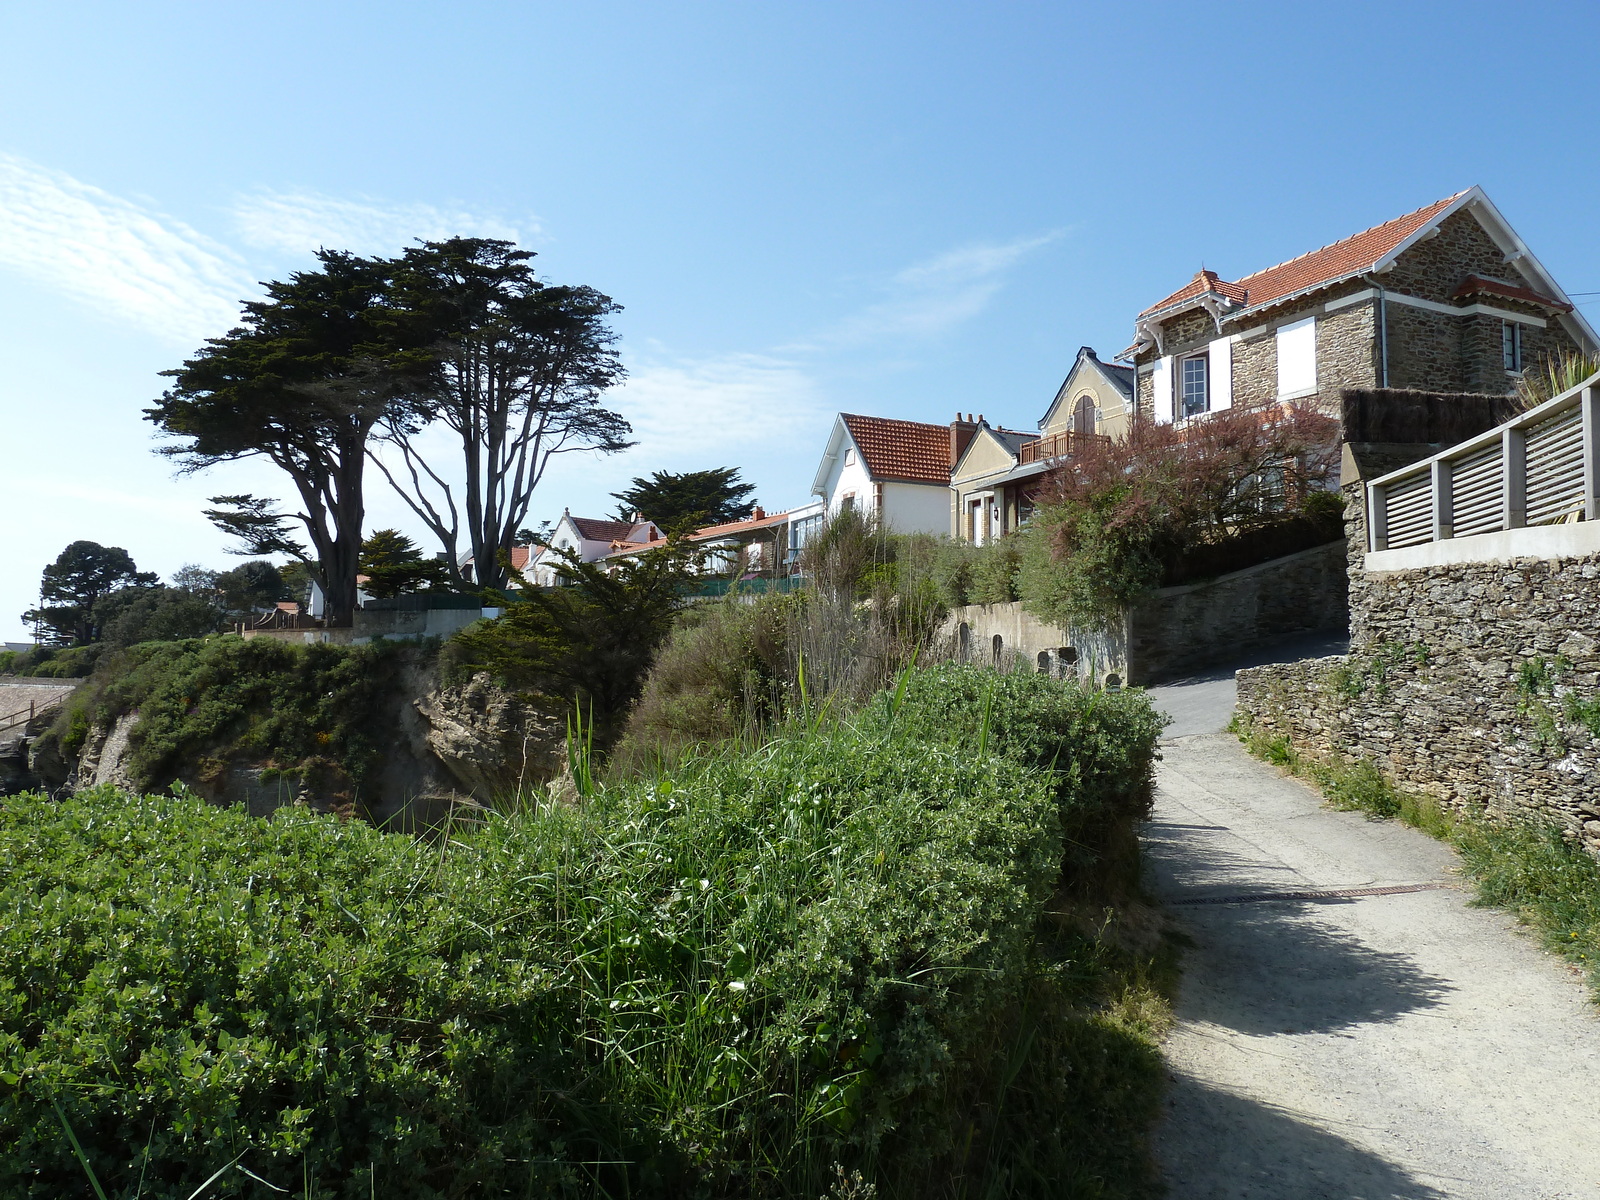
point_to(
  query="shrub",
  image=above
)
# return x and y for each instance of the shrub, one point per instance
(52, 662)
(723, 673)
(718, 983)
(1118, 512)
(586, 643)
(739, 667)
(994, 572)
(317, 707)
(1097, 749)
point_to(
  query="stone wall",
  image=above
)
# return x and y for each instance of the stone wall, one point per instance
(1180, 631)
(1008, 636)
(1173, 632)
(1478, 684)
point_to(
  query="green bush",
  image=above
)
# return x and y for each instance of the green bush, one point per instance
(315, 708)
(1097, 749)
(994, 572)
(722, 674)
(834, 950)
(51, 662)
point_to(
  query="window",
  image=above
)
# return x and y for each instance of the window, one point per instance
(1297, 359)
(1195, 398)
(848, 504)
(1083, 415)
(849, 457)
(1511, 345)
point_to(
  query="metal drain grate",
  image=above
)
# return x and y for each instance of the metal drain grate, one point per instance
(1321, 894)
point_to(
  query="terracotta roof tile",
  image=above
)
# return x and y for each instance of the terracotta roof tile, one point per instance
(602, 531)
(1477, 285)
(1327, 265)
(902, 451)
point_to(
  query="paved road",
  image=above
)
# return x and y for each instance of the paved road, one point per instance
(1384, 1047)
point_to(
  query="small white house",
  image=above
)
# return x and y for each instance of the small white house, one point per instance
(899, 471)
(591, 540)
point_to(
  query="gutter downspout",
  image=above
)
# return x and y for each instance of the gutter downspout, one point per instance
(1383, 333)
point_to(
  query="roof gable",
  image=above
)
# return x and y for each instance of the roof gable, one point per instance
(1354, 255)
(1118, 377)
(1373, 251)
(901, 451)
(1001, 447)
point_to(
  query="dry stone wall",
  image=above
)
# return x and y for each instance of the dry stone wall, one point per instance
(1478, 684)
(1178, 631)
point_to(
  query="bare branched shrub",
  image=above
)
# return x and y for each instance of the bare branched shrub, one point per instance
(1115, 514)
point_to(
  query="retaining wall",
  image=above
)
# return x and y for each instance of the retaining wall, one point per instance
(1173, 632)
(1180, 631)
(1468, 681)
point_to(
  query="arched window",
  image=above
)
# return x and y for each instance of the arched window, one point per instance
(1044, 662)
(1113, 683)
(1083, 415)
(964, 641)
(999, 645)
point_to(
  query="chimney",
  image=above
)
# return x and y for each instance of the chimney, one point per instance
(758, 513)
(960, 436)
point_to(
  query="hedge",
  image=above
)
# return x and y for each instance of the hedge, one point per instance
(831, 953)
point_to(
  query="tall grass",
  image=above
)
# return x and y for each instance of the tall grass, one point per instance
(846, 950)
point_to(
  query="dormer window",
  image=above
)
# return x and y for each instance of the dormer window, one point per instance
(1196, 385)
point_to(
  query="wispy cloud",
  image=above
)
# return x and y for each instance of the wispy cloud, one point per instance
(714, 407)
(300, 222)
(118, 257)
(933, 296)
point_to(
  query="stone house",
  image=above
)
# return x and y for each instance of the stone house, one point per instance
(994, 471)
(898, 471)
(1445, 299)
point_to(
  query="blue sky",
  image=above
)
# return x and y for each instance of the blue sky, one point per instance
(901, 209)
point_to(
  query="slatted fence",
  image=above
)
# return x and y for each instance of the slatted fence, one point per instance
(1539, 468)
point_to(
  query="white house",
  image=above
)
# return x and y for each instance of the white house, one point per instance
(591, 540)
(899, 471)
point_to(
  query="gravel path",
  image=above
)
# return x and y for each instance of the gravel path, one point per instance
(1392, 1045)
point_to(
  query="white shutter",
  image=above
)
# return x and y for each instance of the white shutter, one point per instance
(1221, 356)
(1297, 358)
(1161, 377)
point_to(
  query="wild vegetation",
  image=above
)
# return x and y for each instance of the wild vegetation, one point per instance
(1555, 374)
(1130, 514)
(313, 713)
(852, 957)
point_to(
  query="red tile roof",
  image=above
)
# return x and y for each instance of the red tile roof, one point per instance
(603, 531)
(902, 451)
(1477, 285)
(1327, 265)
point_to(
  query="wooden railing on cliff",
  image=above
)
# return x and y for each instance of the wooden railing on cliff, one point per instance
(16, 725)
(1539, 468)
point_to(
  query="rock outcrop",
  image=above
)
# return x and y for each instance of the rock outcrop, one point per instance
(492, 741)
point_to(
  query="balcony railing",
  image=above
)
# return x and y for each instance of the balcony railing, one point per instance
(1539, 468)
(1056, 445)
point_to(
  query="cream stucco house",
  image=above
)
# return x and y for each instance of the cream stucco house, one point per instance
(996, 470)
